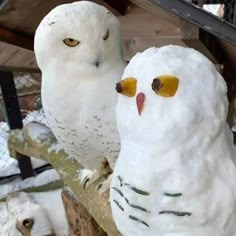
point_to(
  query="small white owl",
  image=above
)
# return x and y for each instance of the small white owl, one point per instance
(78, 49)
(175, 175)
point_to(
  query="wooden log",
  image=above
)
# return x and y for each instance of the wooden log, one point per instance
(16, 39)
(37, 140)
(80, 222)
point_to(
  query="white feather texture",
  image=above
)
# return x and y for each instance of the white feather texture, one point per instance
(175, 175)
(78, 82)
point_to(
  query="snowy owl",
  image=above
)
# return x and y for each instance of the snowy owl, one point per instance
(175, 175)
(78, 49)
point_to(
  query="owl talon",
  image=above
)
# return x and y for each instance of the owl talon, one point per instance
(85, 183)
(105, 185)
(87, 177)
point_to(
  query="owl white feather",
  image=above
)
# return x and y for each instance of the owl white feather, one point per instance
(78, 49)
(175, 175)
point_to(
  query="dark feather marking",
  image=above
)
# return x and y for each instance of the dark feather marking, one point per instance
(118, 204)
(85, 183)
(138, 220)
(139, 191)
(136, 206)
(121, 182)
(118, 191)
(173, 194)
(177, 213)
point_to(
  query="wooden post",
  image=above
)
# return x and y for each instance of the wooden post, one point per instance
(14, 117)
(80, 222)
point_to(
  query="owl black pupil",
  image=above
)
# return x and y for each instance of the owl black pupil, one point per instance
(71, 40)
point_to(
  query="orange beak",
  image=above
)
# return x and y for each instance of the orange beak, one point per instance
(140, 98)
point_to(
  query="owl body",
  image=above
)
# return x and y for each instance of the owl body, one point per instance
(78, 49)
(84, 122)
(175, 175)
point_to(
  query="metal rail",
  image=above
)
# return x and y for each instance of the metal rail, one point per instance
(201, 18)
(14, 117)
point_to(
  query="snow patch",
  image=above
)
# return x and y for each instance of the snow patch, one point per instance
(44, 178)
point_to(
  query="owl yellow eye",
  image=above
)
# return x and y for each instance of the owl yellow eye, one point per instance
(165, 85)
(127, 87)
(71, 42)
(106, 36)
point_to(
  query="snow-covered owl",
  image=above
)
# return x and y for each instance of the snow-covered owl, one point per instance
(175, 175)
(78, 49)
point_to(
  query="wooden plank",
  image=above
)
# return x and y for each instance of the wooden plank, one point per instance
(20, 69)
(156, 11)
(6, 52)
(17, 11)
(188, 30)
(23, 59)
(16, 39)
(29, 24)
(139, 22)
(132, 45)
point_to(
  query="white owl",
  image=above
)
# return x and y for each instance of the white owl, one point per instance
(78, 49)
(175, 175)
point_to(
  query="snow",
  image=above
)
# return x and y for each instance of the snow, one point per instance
(215, 9)
(55, 148)
(9, 166)
(37, 132)
(51, 202)
(17, 184)
(178, 145)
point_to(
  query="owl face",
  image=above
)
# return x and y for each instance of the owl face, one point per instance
(82, 34)
(169, 90)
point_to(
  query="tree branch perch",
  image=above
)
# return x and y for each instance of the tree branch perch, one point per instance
(37, 140)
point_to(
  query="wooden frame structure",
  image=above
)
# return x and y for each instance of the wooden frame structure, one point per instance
(143, 25)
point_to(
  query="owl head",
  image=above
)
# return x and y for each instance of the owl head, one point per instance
(81, 34)
(169, 93)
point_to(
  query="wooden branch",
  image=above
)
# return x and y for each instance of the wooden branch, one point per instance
(16, 39)
(80, 222)
(37, 140)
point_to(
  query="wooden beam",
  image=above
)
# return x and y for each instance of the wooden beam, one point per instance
(20, 69)
(120, 6)
(155, 10)
(16, 39)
